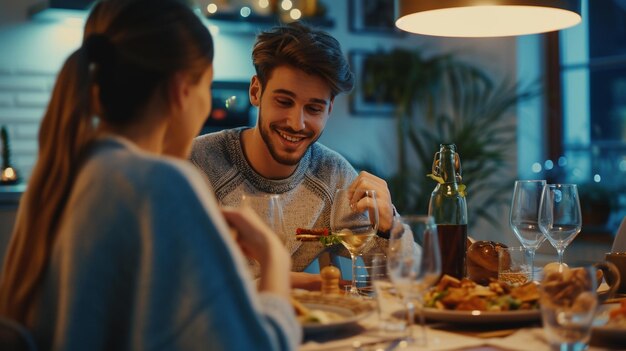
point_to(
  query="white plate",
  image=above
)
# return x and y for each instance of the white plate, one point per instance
(348, 310)
(347, 317)
(479, 317)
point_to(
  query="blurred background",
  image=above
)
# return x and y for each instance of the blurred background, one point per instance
(549, 106)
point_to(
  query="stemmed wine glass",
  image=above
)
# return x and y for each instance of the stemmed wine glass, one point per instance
(270, 208)
(560, 219)
(355, 227)
(524, 217)
(414, 264)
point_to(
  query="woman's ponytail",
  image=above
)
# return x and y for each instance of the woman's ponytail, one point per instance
(65, 132)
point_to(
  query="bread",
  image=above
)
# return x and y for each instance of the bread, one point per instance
(482, 261)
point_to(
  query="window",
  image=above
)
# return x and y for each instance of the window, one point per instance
(592, 141)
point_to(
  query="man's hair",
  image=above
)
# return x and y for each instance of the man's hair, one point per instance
(297, 45)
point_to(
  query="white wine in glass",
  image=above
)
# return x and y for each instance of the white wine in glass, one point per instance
(524, 217)
(560, 218)
(355, 227)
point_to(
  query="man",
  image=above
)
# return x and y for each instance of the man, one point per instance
(299, 71)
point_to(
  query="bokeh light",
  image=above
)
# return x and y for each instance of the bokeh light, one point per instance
(548, 165)
(286, 5)
(295, 14)
(245, 11)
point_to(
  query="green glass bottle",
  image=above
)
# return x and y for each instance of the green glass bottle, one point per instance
(449, 209)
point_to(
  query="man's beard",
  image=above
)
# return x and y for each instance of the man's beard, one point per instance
(283, 160)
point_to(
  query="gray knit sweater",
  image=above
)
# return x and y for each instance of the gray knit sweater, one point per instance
(306, 195)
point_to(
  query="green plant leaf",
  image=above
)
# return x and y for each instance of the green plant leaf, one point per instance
(330, 240)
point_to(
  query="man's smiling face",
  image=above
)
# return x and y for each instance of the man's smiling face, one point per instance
(293, 110)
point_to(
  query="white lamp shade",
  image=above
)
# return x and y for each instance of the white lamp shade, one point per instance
(486, 18)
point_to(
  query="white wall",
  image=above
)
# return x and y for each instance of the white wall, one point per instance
(32, 52)
(14, 11)
(373, 138)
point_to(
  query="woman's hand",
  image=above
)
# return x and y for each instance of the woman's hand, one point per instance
(254, 237)
(258, 241)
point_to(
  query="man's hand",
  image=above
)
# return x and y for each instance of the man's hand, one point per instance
(366, 181)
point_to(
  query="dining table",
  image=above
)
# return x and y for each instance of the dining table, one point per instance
(364, 334)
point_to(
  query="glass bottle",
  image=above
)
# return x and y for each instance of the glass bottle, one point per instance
(449, 209)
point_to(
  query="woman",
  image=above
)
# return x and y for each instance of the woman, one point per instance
(116, 246)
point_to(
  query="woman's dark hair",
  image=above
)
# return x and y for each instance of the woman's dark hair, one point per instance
(297, 45)
(132, 50)
(147, 43)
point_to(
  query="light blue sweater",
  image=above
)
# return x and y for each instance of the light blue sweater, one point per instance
(144, 261)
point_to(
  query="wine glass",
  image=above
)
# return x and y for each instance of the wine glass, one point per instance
(356, 228)
(559, 215)
(270, 208)
(414, 264)
(524, 217)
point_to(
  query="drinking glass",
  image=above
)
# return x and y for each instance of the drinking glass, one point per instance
(559, 215)
(270, 208)
(355, 227)
(524, 217)
(388, 300)
(513, 266)
(568, 301)
(414, 264)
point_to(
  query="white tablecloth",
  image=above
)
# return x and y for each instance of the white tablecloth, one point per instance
(365, 331)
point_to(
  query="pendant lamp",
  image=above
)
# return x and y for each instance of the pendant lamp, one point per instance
(486, 18)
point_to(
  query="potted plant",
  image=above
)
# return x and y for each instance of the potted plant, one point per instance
(439, 99)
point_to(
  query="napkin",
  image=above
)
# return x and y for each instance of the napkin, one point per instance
(437, 341)
(522, 340)
(528, 339)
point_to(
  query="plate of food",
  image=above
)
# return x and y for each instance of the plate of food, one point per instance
(464, 301)
(319, 312)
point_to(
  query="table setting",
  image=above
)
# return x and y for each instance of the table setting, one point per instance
(510, 303)
(457, 330)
